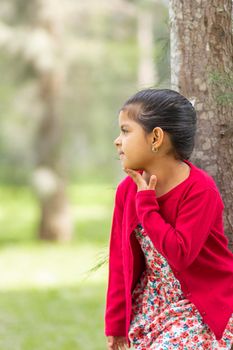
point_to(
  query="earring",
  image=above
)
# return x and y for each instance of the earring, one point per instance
(155, 149)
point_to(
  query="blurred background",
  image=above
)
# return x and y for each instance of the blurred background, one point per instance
(66, 68)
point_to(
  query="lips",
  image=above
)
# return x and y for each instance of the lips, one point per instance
(120, 153)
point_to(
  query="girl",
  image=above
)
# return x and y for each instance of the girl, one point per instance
(170, 270)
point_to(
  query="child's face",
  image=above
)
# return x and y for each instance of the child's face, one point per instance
(133, 144)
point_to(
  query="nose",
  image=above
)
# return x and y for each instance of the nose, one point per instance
(117, 141)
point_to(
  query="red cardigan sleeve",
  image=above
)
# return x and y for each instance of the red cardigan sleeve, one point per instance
(115, 304)
(181, 244)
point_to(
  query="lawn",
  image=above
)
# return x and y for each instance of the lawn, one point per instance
(50, 300)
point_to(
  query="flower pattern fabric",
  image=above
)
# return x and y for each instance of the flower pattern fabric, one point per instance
(162, 318)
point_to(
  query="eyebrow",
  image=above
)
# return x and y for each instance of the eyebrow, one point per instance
(123, 125)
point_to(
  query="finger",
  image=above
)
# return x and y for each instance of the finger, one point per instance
(110, 347)
(137, 177)
(132, 172)
(153, 182)
(116, 346)
(124, 345)
(119, 345)
(132, 175)
(110, 340)
(110, 343)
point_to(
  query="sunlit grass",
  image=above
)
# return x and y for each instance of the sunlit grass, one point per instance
(49, 297)
(48, 265)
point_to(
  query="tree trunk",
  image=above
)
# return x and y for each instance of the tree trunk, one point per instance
(56, 223)
(201, 66)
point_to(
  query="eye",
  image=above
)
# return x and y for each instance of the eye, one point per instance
(124, 131)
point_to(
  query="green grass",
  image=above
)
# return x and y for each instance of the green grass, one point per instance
(49, 297)
(55, 318)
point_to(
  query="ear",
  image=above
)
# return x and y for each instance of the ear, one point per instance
(157, 136)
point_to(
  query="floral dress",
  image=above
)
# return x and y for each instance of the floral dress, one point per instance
(162, 318)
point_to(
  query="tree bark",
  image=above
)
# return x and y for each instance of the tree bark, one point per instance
(202, 66)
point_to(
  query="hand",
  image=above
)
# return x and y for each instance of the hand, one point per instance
(140, 181)
(116, 343)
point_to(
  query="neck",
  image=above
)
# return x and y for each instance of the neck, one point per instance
(166, 170)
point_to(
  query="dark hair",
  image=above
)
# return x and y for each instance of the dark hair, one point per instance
(168, 110)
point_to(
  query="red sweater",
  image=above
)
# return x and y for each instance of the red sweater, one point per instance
(186, 227)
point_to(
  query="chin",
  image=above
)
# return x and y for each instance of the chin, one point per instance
(126, 163)
(133, 167)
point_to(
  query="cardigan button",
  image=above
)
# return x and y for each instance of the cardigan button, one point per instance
(188, 295)
(203, 313)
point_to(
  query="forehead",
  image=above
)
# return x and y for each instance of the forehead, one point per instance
(124, 117)
(129, 113)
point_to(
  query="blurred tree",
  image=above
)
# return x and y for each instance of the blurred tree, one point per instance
(50, 67)
(147, 69)
(40, 46)
(145, 12)
(102, 53)
(201, 69)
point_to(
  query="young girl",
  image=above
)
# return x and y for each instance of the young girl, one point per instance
(170, 270)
